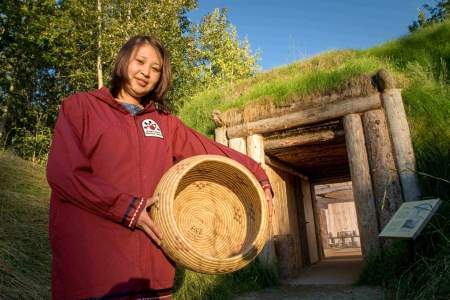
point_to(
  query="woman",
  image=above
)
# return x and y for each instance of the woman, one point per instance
(109, 150)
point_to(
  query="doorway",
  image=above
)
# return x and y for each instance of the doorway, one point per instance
(337, 220)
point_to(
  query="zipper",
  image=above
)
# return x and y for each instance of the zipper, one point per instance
(140, 255)
(141, 184)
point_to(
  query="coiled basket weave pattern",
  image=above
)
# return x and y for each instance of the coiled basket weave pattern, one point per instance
(212, 213)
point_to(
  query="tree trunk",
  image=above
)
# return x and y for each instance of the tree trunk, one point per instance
(3, 115)
(99, 45)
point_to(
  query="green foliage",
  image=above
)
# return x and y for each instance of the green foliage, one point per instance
(49, 50)
(33, 145)
(221, 56)
(27, 88)
(436, 14)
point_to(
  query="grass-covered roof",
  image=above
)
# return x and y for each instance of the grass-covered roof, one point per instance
(423, 55)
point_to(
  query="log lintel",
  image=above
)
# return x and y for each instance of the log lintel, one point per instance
(312, 115)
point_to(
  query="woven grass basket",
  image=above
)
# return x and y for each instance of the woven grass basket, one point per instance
(212, 213)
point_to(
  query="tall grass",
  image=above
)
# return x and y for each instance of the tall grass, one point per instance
(24, 248)
(194, 286)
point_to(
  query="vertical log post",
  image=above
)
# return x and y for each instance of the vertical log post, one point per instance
(317, 223)
(386, 184)
(361, 182)
(238, 144)
(310, 221)
(221, 135)
(401, 140)
(323, 229)
(255, 150)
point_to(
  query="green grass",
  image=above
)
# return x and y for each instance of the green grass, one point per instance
(322, 74)
(24, 247)
(194, 286)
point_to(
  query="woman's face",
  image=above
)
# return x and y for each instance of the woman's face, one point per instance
(144, 71)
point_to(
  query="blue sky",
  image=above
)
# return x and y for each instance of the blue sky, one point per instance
(288, 30)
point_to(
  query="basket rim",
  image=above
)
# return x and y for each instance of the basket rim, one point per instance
(262, 226)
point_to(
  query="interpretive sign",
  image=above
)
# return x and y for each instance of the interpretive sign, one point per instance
(410, 219)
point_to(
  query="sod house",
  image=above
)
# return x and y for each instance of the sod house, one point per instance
(357, 137)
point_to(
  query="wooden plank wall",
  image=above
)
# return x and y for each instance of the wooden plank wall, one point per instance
(342, 217)
(285, 222)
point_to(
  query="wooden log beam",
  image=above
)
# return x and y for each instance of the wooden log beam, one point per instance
(386, 184)
(308, 116)
(221, 135)
(401, 141)
(307, 138)
(362, 185)
(326, 188)
(276, 163)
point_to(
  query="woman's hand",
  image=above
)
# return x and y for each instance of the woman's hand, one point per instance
(269, 199)
(146, 224)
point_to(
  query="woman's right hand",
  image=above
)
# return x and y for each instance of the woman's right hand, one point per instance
(146, 224)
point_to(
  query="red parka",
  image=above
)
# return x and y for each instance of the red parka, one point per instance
(103, 160)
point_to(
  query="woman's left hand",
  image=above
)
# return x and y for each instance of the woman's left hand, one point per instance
(146, 224)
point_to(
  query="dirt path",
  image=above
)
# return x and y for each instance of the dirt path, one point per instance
(316, 292)
(332, 278)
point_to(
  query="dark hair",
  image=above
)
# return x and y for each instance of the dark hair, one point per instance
(119, 76)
